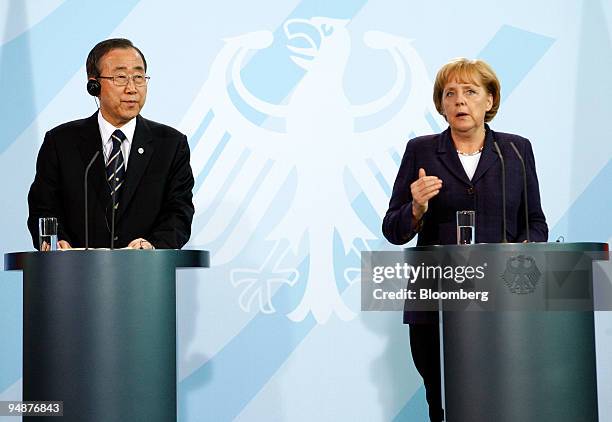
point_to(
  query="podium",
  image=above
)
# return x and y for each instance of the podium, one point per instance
(99, 331)
(520, 365)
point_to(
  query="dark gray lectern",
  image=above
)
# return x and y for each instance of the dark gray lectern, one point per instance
(99, 331)
(521, 365)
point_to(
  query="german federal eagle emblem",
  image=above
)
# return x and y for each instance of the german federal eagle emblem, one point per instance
(521, 274)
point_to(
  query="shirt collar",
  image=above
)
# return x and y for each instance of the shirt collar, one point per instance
(446, 140)
(107, 129)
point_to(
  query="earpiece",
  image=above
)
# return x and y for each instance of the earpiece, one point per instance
(93, 87)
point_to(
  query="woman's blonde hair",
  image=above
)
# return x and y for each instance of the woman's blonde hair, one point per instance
(470, 71)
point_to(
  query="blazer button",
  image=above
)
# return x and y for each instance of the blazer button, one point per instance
(470, 191)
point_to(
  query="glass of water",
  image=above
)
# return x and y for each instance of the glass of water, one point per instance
(466, 227)
(47, 233)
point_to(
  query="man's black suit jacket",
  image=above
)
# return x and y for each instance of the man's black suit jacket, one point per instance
(483, 194)
(155, 202)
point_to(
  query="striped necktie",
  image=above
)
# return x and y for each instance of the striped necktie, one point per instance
(115, 168)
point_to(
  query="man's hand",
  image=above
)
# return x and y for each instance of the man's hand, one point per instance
(423, 189)
(62, 244)
(140, 243)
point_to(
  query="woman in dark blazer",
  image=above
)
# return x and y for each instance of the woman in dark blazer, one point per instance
(459, 169)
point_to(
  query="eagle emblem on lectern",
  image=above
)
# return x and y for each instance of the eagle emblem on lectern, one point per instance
(521, 274)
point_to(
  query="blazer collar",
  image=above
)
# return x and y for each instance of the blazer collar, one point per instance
(488, 156)
(140, 155)
(449, 157)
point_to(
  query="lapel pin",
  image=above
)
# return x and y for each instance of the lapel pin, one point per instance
(140, 151)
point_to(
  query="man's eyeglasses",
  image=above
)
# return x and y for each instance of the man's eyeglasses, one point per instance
(123, 80)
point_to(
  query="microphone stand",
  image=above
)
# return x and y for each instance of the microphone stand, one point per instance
(524, 187)
(114, 194)
(86, 202)
(503, 165)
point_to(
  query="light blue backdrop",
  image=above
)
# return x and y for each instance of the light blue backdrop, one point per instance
(294, 159)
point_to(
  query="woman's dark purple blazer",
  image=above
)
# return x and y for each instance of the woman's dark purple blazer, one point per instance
(483, 194)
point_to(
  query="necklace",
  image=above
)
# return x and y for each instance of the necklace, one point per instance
(470, 154)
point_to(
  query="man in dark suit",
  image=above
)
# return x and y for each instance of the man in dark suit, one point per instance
(459, 170)
(142, 167)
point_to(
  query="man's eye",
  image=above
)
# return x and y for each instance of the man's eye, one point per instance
(138, 78)
(120, 78)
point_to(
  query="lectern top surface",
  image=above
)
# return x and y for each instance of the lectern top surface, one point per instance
(177, 258)
(510, 247)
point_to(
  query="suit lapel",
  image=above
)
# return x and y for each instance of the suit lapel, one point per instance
(449, 158)
(90, 143)
(488, 156)
(141, 152)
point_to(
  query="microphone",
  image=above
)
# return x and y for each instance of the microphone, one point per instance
(524, 187)
(86, 203)
(503, 166)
